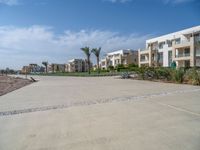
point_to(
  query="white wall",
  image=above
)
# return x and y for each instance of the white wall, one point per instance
(165, 58)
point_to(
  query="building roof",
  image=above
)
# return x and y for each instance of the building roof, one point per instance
(122, 51)
(175, 34)
(75, 59)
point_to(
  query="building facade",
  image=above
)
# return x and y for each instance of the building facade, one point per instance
(115, 58)
(57, 68)
(25, 70)
(32, 68)
(77, 65)
(182, 47)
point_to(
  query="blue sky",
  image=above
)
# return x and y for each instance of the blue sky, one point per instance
(35, 30)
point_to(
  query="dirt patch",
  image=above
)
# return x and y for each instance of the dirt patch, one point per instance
(9, 84)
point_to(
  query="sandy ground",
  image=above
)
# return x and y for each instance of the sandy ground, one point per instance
(59, 113)
(8, 84)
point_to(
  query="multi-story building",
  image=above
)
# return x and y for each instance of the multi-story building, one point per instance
(182, 47)
(25, 70)
(57, 67)
(115, 58)
(77, 65)
(32, 68)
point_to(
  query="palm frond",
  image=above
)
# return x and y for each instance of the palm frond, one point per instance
(86, 50)
(96, 51)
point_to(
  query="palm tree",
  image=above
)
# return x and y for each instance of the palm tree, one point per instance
(87, 52)
(96, 52)
(53, 67)
(45, 63)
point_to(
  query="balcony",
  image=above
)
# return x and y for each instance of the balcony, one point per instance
(144, 51)
(141, 50)
(197, 40)
(144, 61)
(182, 43)
(183, 55)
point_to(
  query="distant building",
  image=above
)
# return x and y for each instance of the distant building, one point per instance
(115, 58)
(35, 68)
(32, 68)
(56, 67)
(25, 70)
(182, 47)
(77, 65)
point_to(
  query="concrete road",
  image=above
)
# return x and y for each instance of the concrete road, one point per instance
(59, 113)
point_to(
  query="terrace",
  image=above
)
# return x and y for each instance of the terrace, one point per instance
(182, 53)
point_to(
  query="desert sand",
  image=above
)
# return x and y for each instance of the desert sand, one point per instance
(9, 84)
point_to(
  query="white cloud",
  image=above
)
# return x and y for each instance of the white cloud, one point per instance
(176, 1)
(20, 46)
(164, 1)
(9, 2)
(118, 1)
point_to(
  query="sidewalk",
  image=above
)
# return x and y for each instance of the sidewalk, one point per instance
(101, 113)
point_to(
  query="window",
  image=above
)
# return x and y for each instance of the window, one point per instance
(161, 44)
(153, 57)
(198, 61)
(160, 57)
(169, 43)
(169, 58)
(177, 41)
(197, 38)
(197, 51)
(187, 52)
(142, 58)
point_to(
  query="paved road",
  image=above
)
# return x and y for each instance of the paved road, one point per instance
(59, 113)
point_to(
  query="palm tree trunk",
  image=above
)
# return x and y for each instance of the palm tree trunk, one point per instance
(89, 65)
(98, 65)
(46, 68)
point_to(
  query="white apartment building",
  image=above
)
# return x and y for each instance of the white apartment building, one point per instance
(182, 47)
(124, 57)
(77, 65)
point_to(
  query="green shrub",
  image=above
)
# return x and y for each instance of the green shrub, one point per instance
(104, 70)
(193, 76)
(141, 72)
(134, 69)
(146, 73)
(164, 73)
(178, 75)
(110, 68)
(120, 67)
(132, 65)
(150, 73)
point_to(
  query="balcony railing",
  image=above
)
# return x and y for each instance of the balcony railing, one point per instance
(155, 49)
(183, 55)
(182, 42)
(197, 40)
(143, 50)
(143, 60)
